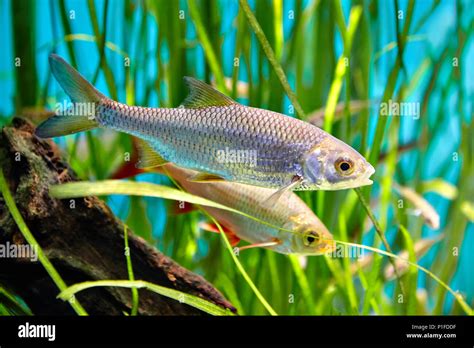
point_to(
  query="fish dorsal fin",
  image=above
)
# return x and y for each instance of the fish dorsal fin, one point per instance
(148, 157)
(202, 95)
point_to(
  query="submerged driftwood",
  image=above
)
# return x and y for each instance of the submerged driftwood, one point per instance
(83, 240)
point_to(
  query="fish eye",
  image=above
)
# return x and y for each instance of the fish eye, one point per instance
(311, 238)
(344, 166)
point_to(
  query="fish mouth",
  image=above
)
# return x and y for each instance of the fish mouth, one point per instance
(369, 173)
(364, 180)
(329, 247)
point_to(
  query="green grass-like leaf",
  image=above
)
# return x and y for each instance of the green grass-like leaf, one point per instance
(25, 231)
(182, 297)
(467, 309)
(131, 275)
(207, 46)
(271, 57)
(118, 187)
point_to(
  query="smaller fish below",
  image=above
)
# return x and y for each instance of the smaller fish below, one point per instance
(294, 229)
(301, 232)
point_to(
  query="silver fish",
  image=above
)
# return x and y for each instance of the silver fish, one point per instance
(302, 232)
(215, 135)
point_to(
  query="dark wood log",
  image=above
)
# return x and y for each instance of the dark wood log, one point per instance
(84, 243)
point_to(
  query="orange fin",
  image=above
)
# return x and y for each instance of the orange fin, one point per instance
(133, 167)
(127, 170)
(211, 227)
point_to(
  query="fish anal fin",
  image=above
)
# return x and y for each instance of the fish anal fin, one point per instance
(271, 243)
(202, 95)
(211, 227)
(148, 157)
(205, 177)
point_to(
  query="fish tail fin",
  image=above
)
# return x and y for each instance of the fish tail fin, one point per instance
(80, 116)
(64, 125)
(76, 86)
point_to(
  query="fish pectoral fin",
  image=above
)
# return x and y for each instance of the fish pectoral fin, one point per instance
(148, 157)
(271, 243)
(274, 197)
(205, 177)
(211, 227)
(202, 95)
